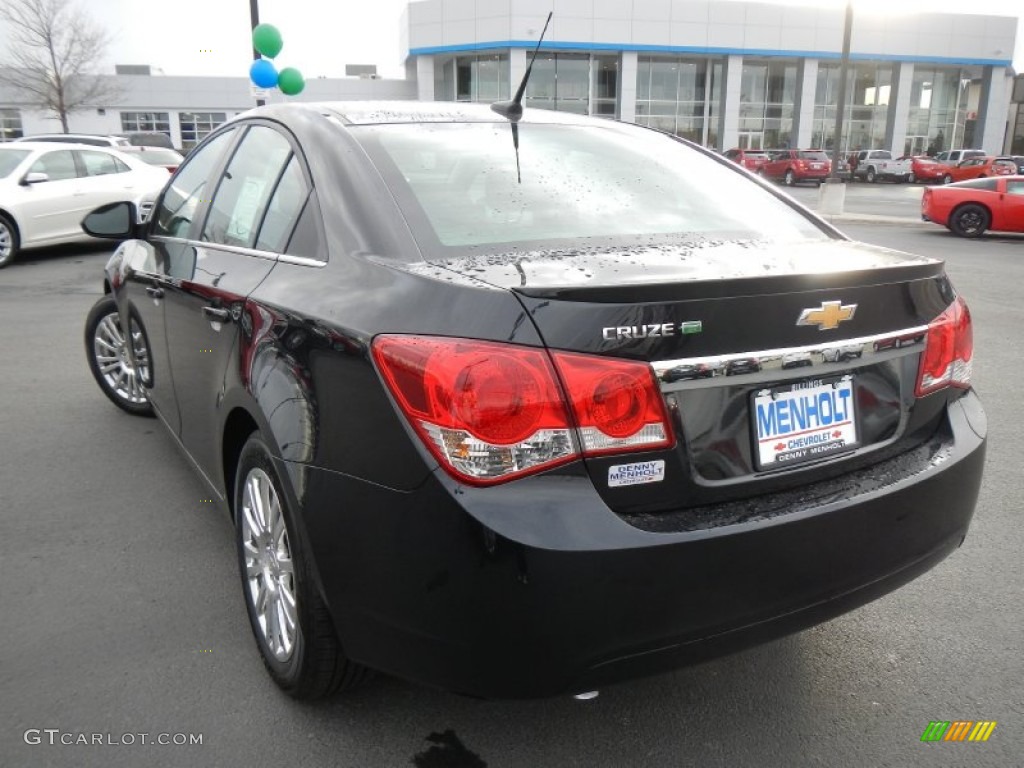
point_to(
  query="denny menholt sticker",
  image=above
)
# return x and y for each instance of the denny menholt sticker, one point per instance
(637, 473)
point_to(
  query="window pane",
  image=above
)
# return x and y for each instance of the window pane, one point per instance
(284, 209)
(10, 124)
(59, 166)
(458, 186)
(248, 180)
(99, 163)
(183, 195)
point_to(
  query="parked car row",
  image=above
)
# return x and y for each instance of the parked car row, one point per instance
(46, 189)
(792, 166)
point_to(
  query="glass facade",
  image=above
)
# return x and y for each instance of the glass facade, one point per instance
(560, 81)
(605, 86)
(146, 121)
(938, 109)
(672, 95)
(10, 124)
(767, 94)
(1017, 142)
(195, 126)
(683, 95)
(868, 88)
(481, 78)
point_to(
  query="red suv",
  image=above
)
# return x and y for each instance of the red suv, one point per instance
(794, 165)
(750, 159)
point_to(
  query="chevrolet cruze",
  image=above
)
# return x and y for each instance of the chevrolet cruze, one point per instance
(522, 407)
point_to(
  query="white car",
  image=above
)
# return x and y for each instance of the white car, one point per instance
(46, 189)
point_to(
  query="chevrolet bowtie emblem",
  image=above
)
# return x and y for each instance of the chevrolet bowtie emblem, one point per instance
(828, 316)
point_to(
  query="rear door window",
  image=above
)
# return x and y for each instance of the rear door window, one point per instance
(249, 180)
(100, 163)
(284, 209)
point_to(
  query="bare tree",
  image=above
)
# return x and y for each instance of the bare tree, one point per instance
(53, 47)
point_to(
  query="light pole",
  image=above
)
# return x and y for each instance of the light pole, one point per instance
(844, 67)
(254, 16)
(832, 194)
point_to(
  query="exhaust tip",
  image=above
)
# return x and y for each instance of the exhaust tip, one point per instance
(587, 696)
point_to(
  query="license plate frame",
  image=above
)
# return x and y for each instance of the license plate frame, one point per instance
(785, 436)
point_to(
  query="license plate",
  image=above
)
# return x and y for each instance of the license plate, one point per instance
(804, 421)
(816, 166)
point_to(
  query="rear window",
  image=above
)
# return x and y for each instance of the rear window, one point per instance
(11, 159)
(159, 157)
(457, 186)
(989, 184)
(813, 155)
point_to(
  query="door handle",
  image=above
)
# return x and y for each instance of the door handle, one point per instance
(218, 314)
(156, 293)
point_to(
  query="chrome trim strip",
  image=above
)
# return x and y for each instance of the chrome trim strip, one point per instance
(789, 362)
(302, 261)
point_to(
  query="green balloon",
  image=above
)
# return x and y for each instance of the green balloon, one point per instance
(266, 38)
(290, 81)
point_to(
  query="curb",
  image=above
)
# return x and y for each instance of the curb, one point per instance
(872, 218)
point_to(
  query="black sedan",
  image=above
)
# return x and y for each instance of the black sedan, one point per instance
(526, 407)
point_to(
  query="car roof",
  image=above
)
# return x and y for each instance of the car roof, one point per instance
(384, 112)
(55, 145)
(72, 135)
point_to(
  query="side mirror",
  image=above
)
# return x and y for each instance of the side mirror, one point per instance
(114, 221)
(36, 177)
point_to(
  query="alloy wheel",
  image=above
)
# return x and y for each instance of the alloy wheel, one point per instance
(7, 244)
(269, 568)
(124, 377)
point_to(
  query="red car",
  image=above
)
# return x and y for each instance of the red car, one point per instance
(979, 168)
(925, 169)
(750, 159)
(795, 165)
(971, 207)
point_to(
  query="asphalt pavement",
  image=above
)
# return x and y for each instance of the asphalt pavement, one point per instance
(122, 613)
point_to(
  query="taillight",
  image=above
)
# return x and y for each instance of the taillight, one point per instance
(491, 412)
(949, 347)
(617, 403)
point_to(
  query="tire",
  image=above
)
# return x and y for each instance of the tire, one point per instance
(120, 378)
(291, 625)
(947, 179)
(870, 176)
(911, 178)
(970, 220)
(9, 241)
(789, 178)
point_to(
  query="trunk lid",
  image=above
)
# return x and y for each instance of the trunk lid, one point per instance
(732, 329)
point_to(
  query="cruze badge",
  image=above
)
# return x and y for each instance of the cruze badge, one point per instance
(828, 316)
(651, 331)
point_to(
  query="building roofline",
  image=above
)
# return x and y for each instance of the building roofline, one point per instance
(555, 45)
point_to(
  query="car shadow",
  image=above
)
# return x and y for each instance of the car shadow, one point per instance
(700, 712)
(37, 256)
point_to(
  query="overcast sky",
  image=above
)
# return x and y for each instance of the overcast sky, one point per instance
(193, 37)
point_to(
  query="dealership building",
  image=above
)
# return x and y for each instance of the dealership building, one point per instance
(724, 74)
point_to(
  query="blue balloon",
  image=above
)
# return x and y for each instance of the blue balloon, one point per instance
(263, 73)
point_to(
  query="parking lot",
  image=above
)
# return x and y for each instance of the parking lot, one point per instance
(122, 611)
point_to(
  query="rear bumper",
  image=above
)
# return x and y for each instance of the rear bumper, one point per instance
(535, 588)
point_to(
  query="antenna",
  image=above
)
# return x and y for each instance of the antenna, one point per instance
(513, 109)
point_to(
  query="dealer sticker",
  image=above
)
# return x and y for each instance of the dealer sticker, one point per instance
(636, 474)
